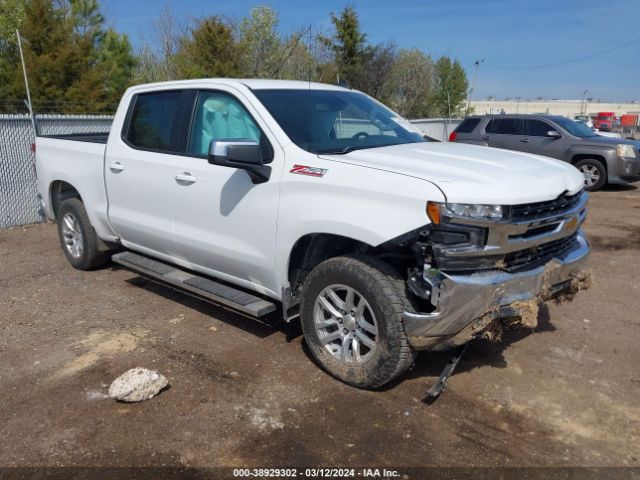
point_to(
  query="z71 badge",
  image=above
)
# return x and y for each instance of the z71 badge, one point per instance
(307, 170)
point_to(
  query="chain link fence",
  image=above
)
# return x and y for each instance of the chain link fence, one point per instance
(18, 205)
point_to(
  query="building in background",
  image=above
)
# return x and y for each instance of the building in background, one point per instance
(567, 108)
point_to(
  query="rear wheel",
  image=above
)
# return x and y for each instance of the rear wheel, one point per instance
(78, 239)
(594, 172)
(351, 313)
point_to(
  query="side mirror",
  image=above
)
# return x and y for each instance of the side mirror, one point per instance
(244, 154)
(553, 134)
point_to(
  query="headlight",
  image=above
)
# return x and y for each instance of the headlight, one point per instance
(438, 211)
(624, 150)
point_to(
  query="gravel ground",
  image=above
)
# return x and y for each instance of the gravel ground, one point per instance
(245, 393)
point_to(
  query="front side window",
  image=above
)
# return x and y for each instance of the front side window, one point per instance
(537, 128)
(574, 128)
(219, 116)
(155, 121)
(336, 121)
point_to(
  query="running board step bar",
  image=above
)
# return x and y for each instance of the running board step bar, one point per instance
(195, 284)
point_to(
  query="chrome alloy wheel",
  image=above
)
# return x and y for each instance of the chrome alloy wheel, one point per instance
(591, 174)
(345, 324)
(73, 241)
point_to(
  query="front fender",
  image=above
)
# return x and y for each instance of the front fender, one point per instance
(360, 203)
(606, 152)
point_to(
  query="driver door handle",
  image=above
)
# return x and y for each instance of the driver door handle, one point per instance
(525, 140)
(185, 177)
(116, 167)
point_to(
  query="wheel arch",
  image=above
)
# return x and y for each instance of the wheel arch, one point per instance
(589, 156)
(59, 191)
(313, 248)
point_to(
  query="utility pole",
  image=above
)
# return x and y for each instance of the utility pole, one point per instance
(583, 103)
(518, 105)
(473, 83)
(26, 84)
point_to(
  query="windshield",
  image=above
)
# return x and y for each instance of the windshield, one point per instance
(335, 121)
(577, 129)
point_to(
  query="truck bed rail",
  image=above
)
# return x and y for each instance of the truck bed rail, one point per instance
(92, 137)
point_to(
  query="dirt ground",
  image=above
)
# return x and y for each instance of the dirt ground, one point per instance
(245, 393)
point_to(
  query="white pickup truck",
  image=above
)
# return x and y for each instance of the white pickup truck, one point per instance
(322, 202)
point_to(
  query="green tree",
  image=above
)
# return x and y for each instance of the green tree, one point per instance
(86, 18)
(348, 45)
(376, 69)
(12, 16)
(262, 47)
(450, 88)
(210, 50)
(50, 54)
(116, 63)
(70, 70)
(409, 86)
(298, 62)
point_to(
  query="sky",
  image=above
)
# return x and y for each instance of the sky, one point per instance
(555, 49)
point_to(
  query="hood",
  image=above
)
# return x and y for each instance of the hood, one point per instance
(474, 174)
(609, 141)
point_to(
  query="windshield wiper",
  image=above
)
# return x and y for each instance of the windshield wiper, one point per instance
(342, 151)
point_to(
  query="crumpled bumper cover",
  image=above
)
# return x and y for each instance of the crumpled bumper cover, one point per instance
(462, 299)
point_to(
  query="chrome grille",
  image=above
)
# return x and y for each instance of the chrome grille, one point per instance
(532, 211)
(536, 256)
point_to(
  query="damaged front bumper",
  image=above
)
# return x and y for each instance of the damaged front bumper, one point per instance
(465, 304)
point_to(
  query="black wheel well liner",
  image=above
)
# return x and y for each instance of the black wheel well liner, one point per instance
(59, 191)
(314, 248)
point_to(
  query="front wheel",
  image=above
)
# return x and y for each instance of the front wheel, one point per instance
(351, 314)
(594, 172)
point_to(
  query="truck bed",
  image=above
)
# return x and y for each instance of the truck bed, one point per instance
(77, 159)
(93, 137)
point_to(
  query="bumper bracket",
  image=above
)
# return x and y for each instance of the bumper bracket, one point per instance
(451, 365)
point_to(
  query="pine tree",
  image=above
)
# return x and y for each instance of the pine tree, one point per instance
(209, 51)
(116, 63)
(348, 45)
(450, 88)
(74, 65)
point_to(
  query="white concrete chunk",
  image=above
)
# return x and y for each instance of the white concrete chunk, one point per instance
(137, 385)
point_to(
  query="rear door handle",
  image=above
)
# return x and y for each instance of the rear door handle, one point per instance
(185, 177)
(525, 140)
(486, 137)
(116, 167)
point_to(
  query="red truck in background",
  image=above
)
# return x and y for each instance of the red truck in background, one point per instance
(629, 120)
(604, 121)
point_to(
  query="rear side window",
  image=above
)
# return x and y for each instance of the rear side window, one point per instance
(537, 128)
(468, 125)
(155, 121)
(505, 126)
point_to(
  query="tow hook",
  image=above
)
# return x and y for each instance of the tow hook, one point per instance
(451, 365)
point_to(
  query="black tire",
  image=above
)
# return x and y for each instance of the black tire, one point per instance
(592, 164)
(89, 256)
(384, 291)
